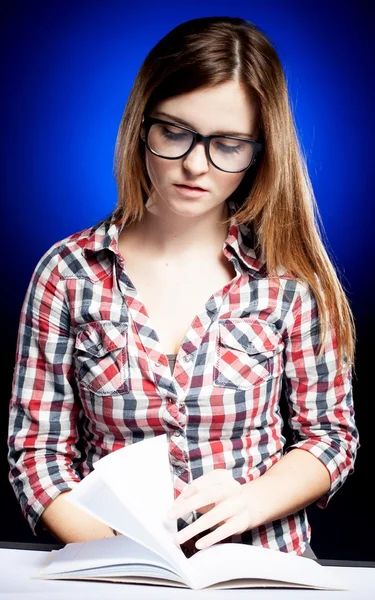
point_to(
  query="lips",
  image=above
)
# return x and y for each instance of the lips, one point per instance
(191, 187)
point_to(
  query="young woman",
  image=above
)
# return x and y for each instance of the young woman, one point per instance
(205, 298)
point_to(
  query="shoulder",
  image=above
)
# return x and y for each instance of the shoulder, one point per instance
(74, 255)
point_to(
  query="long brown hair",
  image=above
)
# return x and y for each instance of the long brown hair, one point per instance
(278, 201)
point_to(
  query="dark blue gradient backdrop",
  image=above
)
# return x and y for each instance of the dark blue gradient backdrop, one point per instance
(67, 69)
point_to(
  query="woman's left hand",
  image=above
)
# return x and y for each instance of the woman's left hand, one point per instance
(223, 503)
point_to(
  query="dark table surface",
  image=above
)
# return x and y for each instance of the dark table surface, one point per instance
(48, 547)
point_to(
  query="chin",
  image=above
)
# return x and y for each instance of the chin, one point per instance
(193, 208)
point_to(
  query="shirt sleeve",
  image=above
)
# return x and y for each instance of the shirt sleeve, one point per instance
(319, 394)
(44, 406)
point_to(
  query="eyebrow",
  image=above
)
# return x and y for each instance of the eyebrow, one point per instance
(182, 122)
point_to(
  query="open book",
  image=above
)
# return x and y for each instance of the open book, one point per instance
(131, 491)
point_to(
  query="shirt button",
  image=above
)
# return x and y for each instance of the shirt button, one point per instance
(169, 399)
(187, 358)
(179, 470)
(158, 364)
(177, 433)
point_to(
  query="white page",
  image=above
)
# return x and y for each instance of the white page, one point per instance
(139, 476)
(95, 497)
(100, 553)
(223, 562)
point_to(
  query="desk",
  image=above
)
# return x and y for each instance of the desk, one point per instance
(20, 562)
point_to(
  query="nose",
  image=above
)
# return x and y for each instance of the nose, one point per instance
(196, 160)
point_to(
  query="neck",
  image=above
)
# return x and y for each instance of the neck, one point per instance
(170, 235)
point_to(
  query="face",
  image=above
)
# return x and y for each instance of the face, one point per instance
(223, 109)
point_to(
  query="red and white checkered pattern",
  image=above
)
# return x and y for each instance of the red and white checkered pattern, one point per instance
(91, 376)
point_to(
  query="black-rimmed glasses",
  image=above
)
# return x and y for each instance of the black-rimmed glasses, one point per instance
(225, 152)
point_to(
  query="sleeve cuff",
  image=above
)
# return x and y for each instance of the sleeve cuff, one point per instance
(36, 505)
(326, 454)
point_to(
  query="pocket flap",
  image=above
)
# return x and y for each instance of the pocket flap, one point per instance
(252, 337)
(100, 337)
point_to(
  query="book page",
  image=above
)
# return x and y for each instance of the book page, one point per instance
(140, 475)
(96, 498)
(222, 563)
(115, 555)
(131, 490)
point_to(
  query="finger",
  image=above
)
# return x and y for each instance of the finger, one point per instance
(214, 477)
(204, 509)
(197, 502)
(212, 518)
(219, 484)
(206, 499)
(188, 491)
(230, 527)
(217, 475)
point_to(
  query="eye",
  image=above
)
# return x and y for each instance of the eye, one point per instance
(173, 133)
(229, 148)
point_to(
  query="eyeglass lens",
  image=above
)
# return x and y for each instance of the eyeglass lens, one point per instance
(171, 142)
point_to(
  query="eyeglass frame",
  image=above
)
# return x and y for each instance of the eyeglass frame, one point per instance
(148, 121)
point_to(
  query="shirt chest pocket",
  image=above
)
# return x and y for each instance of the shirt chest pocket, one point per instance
(248, 353)
(101, 357)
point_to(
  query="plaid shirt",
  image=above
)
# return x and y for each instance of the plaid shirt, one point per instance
(91, 377)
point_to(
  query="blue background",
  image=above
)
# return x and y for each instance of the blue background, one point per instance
(67, 69)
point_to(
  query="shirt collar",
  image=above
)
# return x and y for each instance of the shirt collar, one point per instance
(102, 236)
(240, 240)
